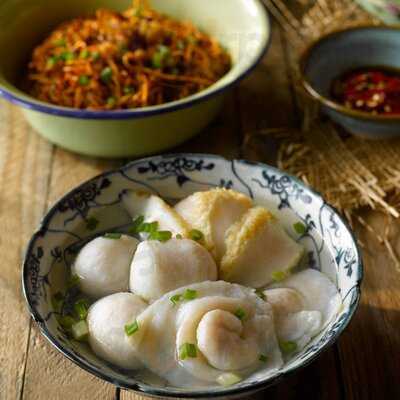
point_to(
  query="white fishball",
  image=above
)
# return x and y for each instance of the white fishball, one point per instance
(158, 268)
(106, 321)
(103, 265)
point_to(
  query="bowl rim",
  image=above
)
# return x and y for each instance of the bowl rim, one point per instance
(28, 102)
(145, 389)
(327, 101)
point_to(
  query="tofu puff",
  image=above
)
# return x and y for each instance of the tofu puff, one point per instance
(106, 323)
(103, 265)
(155, 209)
(213, 212)
(159, 267)
(303, 305)
(225, 330)
(257, 250)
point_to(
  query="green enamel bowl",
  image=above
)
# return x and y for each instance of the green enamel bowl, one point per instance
(242, 26)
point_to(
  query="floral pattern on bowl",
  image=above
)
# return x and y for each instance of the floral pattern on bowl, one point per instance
(95, 207)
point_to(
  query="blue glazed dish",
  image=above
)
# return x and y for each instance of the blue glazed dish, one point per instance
(95, 207)
(340, 52)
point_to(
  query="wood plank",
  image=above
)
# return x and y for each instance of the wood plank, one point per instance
(266, 101)
(370, 347)
(49, 375)
(24, 165)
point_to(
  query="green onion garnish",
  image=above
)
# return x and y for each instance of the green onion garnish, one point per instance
(85, 53)
(288, 347)
(106, 75)
(128, 89)
(80, 331)
(67, 56)
(196, 235)
(162, 236)
(240, 313)
(176, 299)
(59, 42)
(187, 350)
(160, 56)
(66, 321)
(81, 308)
(131, 328)
(83, 80)
(150, 227)
(51, 61)
(190, 294)
(95, 55)
(263, 358)
(228, 379)
(136, 224)
(179, 236)
(111, 101)
(300, 228)
(113, 235)
(73, 281)
(57, 301)
(138, 11)
(279, 276)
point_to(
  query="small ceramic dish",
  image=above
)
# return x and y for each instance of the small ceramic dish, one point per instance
(340, 52)
(242, 26)
(95, 207)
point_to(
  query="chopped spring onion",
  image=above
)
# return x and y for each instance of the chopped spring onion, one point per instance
(81, 308)
(111, 101)
(288, 347)
(57, 301)
(279, 276)
(60, 42)
(51, 61)
(228, 379)
(106, 75)
(263, 358)
(85, 53)
(66, 321)
(73, 281)
(83, 80)
(190, 294)
(67, 56)
(150, 227)
(137, 223)
(179, 236)
(95, 55)
(160, 56)
(187, 350)
(128, 89)
(196, 235)
(80, 330)
(131, 328)
(113, 235)
(300, 228)
(176, 299)
(240, 313)
(162, 236)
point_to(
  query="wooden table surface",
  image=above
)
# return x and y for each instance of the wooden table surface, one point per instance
(365, 362)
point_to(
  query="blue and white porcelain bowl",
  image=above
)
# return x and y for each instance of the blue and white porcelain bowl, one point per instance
(95, 207)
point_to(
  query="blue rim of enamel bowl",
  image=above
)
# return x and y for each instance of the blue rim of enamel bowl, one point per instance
(212, 91)
(148, 390)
